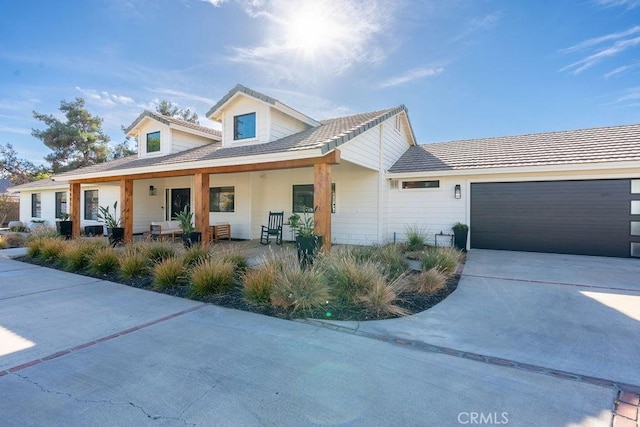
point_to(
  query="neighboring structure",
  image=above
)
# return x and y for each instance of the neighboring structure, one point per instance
(9, 204)
(368, 181)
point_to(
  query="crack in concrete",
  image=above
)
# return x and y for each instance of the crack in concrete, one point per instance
(107, 402)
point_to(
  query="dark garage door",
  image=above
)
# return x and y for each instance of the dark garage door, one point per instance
(573, 217)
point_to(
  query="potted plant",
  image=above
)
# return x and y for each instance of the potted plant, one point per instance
(189, 235)
(307, 243)
(460, 232)
(114, 231)
(64, 225)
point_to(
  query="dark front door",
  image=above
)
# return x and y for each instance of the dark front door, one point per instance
(589, 217)
(178, 199)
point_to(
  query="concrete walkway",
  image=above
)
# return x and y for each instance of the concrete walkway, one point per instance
(79, 351)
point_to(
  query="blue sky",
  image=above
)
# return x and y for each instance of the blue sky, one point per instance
(464, 68)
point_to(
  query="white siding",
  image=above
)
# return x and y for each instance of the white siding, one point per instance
(283, 125)
(240, 219)
(181, 141)
(244, 105)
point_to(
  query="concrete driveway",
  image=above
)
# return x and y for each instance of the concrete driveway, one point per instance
(79, 351)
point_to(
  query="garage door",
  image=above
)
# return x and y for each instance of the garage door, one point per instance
(573, 217)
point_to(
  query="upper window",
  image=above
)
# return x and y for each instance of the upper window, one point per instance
(61, 203)
(36, 205)
(91, 204)
(420, 184)
(244, 126)
(153, 142)
(222, 199)
(303, 198)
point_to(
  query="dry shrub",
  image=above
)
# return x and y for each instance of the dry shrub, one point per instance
(104, 261)
(299, 289)
(13, 240)
(257, 283)
(348, 277)
(51, 248)
(427, 281)
(381, 298)
(235, 254)
(444, 259)
(212, 276)
(157, 252)
(168, 273)
(3, 243)
(195, 254)
(76, 253)
(133, 263)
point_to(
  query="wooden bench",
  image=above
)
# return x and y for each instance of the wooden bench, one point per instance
(222, 230)
(160, 229)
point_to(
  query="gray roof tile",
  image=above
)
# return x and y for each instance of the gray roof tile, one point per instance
(216, 134)
(606, 144)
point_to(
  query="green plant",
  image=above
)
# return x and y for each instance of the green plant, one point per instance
(50, 249)
(3, 243)
(107, 218)
(43, 233)
(303, 226)
(416, 237)
(444, 259)
(299, 289)
(257, 283)
(348, 278)
(195, 254)
(390, 259)
(33, 247)
(104, 261)
(381, 298)
(76, 254)
(18, 229)
(427, 281)
(64, 216)
(168, 273)
(133, 263)
(236, 256)
(158, 251)
(186, 220)
(460, 227)
(212, 277)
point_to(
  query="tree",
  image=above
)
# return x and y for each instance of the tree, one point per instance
(79, 141)
(123, 149)
(19, 171)
(170, 109)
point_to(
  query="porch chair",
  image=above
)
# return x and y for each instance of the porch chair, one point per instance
(274, 228)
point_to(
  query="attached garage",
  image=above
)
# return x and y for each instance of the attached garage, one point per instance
(585, 217)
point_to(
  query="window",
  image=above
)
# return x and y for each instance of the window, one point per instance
(153, 142)
(61, 203)
(420, 184)
(244, 126)
(222, 199)
(303, 198)
(36, 205)
(635, 186)
(91, 204)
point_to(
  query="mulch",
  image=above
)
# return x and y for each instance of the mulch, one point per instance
(413, 302)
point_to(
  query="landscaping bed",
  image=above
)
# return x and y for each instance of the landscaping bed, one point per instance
(358, 284)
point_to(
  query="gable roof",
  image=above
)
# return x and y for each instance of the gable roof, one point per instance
(605, 144)
(41, 184)
(330, 134)
(240, 89)
(215, 134)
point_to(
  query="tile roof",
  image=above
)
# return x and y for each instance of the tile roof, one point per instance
(606, 144)
(330, 134)
(172, 120)
(41, 183)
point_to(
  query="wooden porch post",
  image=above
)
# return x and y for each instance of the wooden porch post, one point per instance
(202, 206)
(74, 209)
(322, 201)
(126, 208)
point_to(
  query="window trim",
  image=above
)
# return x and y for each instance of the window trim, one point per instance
(58, 204)
(88, 209)
(293, 191)
(427, 184)
(221, 191)
(255, 127)
(36, 205)
(159, 142)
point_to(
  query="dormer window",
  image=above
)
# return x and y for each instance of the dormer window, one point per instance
(153, 142)
(244, 126)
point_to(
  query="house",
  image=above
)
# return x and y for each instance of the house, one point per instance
(8, 203)
(366, 178)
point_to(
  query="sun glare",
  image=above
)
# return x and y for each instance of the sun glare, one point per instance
(311, 30)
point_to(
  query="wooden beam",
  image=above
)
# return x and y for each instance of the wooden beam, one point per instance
(74, 209)
(126, 208)
(202, 206)
(322, 202)
(332, 157)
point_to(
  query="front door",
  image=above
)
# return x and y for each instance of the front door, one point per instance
(178, 198)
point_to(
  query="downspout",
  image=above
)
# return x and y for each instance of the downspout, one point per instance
(380, 185)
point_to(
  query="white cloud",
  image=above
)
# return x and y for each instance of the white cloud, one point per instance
(478, 24)
(105, 98)
(19, 131)
(620, 70)
(308, 38)
(183, 95)
(314, 106)
(629, 4)
(411, 75)
(601, 48)
(216, 3)
(631, 94)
